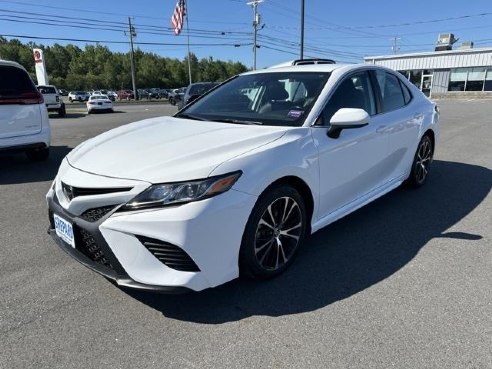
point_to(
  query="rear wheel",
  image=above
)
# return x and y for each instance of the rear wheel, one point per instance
(273, 234)
(38, 154)
(421, 163)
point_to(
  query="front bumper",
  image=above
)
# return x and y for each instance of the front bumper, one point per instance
(110, 268)
(208, 231)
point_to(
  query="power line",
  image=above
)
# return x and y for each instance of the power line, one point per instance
(121, 42)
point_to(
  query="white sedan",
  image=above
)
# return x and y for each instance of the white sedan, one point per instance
(233, 183)
(99, 103)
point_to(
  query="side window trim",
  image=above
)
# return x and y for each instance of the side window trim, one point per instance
(378, 96)
(404, 87)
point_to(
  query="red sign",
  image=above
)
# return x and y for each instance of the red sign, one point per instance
(37, 57)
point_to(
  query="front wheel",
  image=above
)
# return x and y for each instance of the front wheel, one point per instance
(273, 234)
(421, 163)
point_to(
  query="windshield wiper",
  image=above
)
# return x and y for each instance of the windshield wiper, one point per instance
(189, 116)
(237, 121)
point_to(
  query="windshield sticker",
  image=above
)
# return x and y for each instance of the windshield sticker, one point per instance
(295, 113)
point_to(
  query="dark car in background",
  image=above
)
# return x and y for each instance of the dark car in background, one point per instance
(194, 91)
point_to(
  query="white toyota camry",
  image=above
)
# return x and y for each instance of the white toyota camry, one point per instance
(233, 183)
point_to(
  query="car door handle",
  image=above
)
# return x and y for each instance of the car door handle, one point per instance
(418, 116)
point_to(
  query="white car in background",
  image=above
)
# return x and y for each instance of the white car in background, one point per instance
(24, 121)
(234, 181)
(52, 99)
(99, 103)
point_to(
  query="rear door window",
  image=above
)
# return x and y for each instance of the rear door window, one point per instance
(391, 91)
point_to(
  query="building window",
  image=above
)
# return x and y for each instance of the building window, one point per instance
(457, 79)
(475, 80)
(416, 77)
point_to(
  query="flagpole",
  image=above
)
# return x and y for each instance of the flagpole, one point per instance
(188, 35)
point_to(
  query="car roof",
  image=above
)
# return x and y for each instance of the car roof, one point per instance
(305, 68)
(11, 63)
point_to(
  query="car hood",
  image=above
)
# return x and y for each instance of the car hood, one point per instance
(168, 149)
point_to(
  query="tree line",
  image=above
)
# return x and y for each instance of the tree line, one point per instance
(73, 68)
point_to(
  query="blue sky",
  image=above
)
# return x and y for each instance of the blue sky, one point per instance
(343, 30)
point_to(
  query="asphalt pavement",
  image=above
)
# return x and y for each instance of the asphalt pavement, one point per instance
(403, 283)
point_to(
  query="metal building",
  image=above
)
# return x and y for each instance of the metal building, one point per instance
(464, 72)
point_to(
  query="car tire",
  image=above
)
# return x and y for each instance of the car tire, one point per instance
(62, 111)
(421, 163)
(274, 232)
(38, 154)
(172, 101)
(70, 99)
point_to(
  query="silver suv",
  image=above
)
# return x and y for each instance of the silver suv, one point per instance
(24, 122)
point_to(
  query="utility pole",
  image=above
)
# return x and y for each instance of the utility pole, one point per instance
(302, 29)
(132, 34)
(395, 47)
(256, 22)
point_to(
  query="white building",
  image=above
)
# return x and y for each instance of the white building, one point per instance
(460, 73)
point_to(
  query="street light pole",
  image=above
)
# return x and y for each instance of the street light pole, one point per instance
(256, 22)
(302, 29)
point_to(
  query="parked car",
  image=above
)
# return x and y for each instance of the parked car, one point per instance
(52, 99)
(176, 95)
(99, 103)
(125, 95)
(112, 95)
(233, 183)
(25, 125)
(195, 90)
(164, 93)
(78, 96)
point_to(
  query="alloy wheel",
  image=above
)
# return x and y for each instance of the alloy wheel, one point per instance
(423, 160)
(278, 233)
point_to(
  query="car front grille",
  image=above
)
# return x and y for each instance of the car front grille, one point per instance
(170, 255)
(93, 215)
(72, 192)
(87, 245)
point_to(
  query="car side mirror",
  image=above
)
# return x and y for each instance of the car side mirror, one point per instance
(347, 118)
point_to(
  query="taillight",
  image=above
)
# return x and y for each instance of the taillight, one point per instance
(57, 98)
(24, 98)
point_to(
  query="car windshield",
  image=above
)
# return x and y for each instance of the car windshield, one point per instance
(272, 98)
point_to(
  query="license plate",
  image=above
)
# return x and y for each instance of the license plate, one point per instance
(99, 103)
(64, 230)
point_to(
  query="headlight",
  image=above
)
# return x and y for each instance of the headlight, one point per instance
(182, 192)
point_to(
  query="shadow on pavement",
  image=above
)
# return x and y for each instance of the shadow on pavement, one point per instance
(68, 115)
(346, 257)
(16, 168)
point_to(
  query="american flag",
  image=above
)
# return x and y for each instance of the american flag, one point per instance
(178, 16)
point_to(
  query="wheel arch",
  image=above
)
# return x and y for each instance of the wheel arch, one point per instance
(430, 132)
(300, 186)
